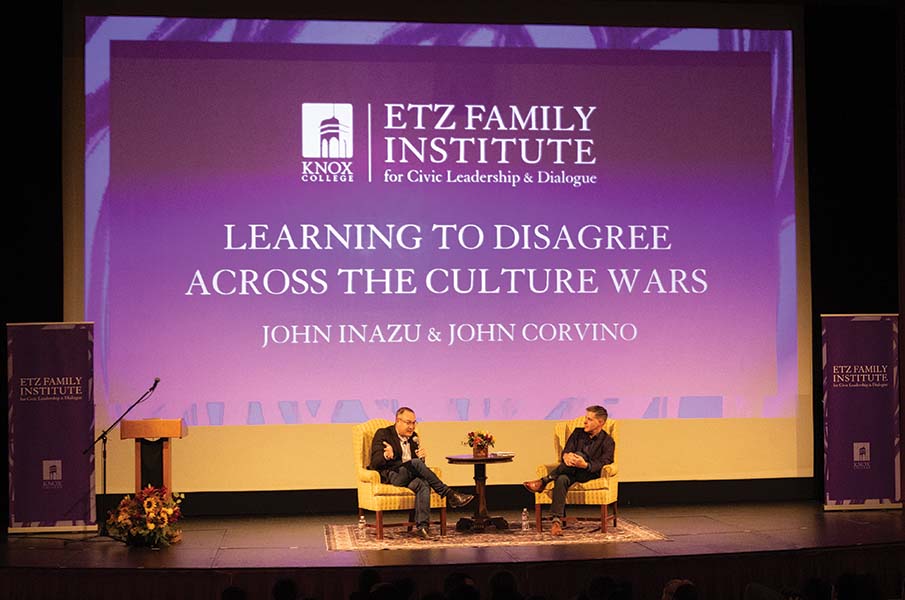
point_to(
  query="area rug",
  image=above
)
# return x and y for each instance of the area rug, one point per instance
(348, 537)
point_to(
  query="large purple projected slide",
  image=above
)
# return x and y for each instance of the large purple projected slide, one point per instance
(315, 222)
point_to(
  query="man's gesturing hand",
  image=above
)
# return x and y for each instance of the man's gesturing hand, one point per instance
(387, 451)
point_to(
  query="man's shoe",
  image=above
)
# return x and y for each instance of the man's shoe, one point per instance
(535, 486)
(456, 499)
(556, 529)
(423, 533)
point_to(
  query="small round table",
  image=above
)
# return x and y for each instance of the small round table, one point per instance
(481, 520)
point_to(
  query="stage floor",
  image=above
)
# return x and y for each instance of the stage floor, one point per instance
(292, 544)
(288, 542)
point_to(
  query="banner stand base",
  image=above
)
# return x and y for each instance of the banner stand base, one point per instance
(831, 507)
(55, 529)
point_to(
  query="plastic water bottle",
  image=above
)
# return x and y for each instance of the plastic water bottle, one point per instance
(525, 525)
(362, 526)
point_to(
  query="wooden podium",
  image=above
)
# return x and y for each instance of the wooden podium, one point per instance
(149, 429)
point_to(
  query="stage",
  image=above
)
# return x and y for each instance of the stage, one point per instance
(721, 547)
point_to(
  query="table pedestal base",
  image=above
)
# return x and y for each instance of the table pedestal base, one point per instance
(482, 523)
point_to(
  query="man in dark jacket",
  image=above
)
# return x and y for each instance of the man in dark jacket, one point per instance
(397, 455)
(587, 451)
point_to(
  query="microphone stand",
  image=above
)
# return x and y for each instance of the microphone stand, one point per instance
(102, 521)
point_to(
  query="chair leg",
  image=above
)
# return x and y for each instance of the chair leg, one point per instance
(442, 520)
(603, 518)
(379, 524)
(361, 512)
(411, 521)
(615, 513)
(537, 518)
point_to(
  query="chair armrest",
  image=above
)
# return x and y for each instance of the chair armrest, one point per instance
(368, 476)
(544, 470)
(610, 470)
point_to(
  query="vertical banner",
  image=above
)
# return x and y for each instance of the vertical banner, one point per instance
(861, 412)
(51, 424)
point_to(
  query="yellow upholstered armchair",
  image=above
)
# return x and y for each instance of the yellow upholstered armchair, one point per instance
(603, 491)
(378, 497)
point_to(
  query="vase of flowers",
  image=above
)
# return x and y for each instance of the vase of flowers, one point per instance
(480, 443)
(148, 518)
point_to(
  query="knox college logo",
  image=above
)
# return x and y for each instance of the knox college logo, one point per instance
(52, 474)
(861, 452)
(326, 142)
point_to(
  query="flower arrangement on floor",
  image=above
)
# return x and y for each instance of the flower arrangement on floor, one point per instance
(147, 519)
(479, 441)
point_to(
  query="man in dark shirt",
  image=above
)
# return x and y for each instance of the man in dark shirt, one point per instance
(397, 454)
(587, 451)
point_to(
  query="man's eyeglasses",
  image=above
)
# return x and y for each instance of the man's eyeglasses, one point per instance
(407, 422)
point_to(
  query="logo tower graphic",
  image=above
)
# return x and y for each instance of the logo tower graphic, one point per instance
(861, 451)
(326, 130)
